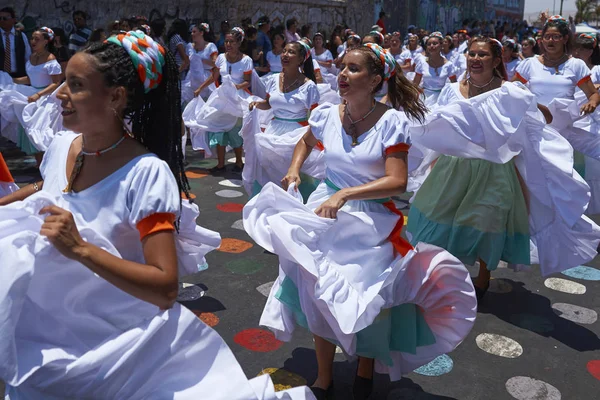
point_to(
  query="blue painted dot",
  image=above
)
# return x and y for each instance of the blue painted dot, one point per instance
(583, 272)
(439, 366)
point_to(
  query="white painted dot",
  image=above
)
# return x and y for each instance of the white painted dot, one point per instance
(500, 286)
(499, 345)
(229, 193)
(234, 183)
(265, 288)
(187, 285)
(579, 315)
(239, 224)
(232, 160)
(565, 286)
(525, 388)
(502, 264)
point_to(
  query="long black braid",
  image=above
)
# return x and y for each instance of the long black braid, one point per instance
(155, 116)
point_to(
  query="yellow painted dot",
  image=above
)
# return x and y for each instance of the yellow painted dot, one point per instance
(405, 220)
(283, 379)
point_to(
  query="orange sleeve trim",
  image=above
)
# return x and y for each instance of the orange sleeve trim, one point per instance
(584, 80)
(452, 77)
(520, 78)
(213, 53)
(5, 175)
(156, 222)
(314, 106)
(248, 72)
(397, 148)
(319, 146)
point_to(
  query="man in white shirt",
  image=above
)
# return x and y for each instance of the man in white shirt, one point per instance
(14, 45)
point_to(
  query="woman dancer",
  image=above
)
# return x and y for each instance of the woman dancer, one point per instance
(345, 273)
(274, 56)
(510, 58)
(291, 95)
(222, 123)
(435, 71)
(411, 57)
(448, 50)
(43, 77)
(108, 211)
(396, 45)
(321, 54)
(529, 47)
(203, 55)
(556, 75)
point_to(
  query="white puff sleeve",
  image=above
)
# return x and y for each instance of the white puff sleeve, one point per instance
(523, 70)
(52, 68)
(581, 71)
(153, 197)
(212, 48)
(318, 119)
(312, 96)
(448, 95)
(395, 136)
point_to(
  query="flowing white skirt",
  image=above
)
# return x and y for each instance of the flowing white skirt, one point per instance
(347, 274)
(67, 333)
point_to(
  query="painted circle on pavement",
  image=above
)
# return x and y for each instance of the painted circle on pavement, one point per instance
(499, 345)
(583, 272)
(208, 318)
(526, 388)
(282, 379)
(235, 246)
(244, 266)
(577, 314)
(239, 225)
(257, 340)
(233, 183)
(438, 366)
(229, 194)
(230, 207)
(593, 368)
(564, 285)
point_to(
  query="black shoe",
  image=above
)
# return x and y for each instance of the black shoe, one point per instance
(362, 388)
(216, 170)
(480, 292)
(237, 168)
(322, 394)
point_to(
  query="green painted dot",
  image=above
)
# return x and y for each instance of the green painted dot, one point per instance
(244, 266)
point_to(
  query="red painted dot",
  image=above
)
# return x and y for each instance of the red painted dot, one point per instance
(208, 318)
(257, 340)
(593, 368)
(230, 207)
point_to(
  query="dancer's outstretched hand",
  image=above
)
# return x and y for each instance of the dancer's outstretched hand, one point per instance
(60, 229)
(289, 178)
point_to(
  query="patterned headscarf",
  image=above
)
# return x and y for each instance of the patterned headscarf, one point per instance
(48, 31)
(240, 31)
(497, 43)
(146, 54)
(437, 35)
(386, 58)
(556, 19)
(146, 29)
(376, 33)
(589, 37)
(306, 48)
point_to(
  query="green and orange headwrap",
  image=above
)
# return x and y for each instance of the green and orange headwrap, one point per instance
(388, 60)
(147, 55)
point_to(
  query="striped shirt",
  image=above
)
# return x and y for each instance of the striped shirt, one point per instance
(79, 38)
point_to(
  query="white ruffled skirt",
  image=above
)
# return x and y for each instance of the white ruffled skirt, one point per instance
(67, 333)
(344, 281)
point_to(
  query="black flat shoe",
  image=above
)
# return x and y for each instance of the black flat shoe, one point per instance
(480, 292)
(362, 388)
(322, 394)
(216, 170)
(237, 168)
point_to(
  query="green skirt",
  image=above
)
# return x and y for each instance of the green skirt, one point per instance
(402, 328)
(230, 138)
(475, 209)
(24, 143)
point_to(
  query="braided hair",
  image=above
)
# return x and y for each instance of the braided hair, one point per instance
(307, 68)
(156, 115)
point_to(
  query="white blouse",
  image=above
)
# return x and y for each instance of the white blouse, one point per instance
(435, 79)
(293, 105)
(349, 165)
(198, 69)
(40, 76)
(511, 68)
(238, 70)
(274, 62)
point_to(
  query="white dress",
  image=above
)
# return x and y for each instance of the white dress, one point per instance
(67, 333)
(433, 80)
(415, 56)
(16, 111)
(347, 279)
(274, 61)
(511, 68)
(502, 125)
(270, 157)
(199, 71)
(219, 120)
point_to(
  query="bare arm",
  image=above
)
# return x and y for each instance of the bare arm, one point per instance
(318, 76)
(547, 114)
(154, 282)
(417, 79)
(246, 84)
(261, 105)
(23, 80)
(21, 194)
(56, 79)
(593, 97)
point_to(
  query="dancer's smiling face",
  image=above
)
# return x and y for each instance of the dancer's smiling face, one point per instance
(481, 60)
(232, 45)
(291, 57)
(87, 102)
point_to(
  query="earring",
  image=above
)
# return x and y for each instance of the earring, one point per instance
(125, 126)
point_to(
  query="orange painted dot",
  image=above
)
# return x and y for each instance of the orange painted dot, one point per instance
(194, 173)
(230, 207)
(208, 318)
(235, 246)
(257, 340)
(192, 196)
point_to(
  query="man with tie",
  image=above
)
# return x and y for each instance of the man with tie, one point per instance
(14, 45)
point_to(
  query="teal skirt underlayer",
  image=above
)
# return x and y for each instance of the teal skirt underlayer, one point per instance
(24, 143)
(230, 138)
(474, 209)
(398, 329)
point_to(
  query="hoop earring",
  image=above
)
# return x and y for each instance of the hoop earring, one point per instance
(122, 121)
